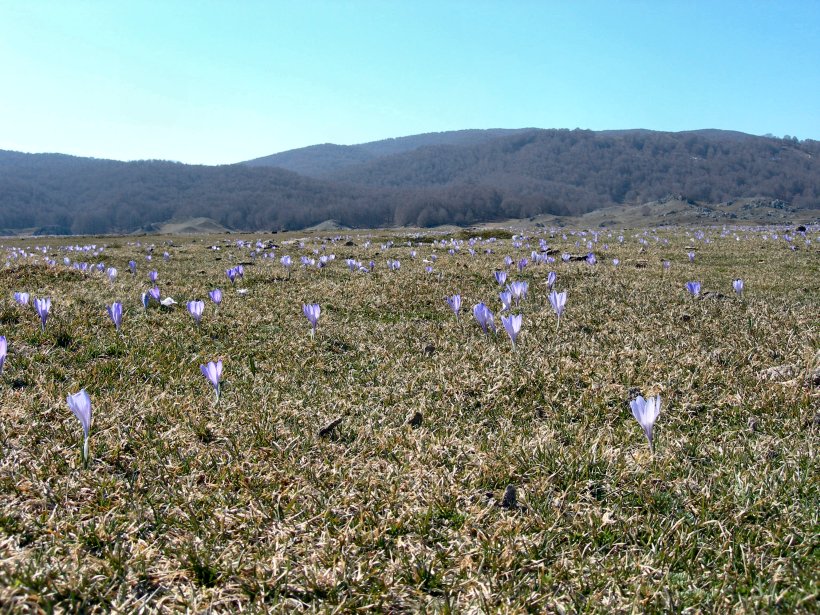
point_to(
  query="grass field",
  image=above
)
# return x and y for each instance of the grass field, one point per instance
(250, 502)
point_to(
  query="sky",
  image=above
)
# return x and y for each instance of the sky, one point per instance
(223, 81)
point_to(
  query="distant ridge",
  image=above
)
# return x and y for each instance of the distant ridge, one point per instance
(462, 178)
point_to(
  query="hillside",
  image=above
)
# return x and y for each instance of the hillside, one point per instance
(465, 177)
(320, 161)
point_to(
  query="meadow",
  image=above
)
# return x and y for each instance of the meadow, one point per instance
(400, 459)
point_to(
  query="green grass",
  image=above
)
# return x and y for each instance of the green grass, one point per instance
(189, 504)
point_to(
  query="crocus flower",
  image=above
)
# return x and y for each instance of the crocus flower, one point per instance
(646, 412)
(518, 290)
(216, 295)
(43, 307)
(506, 300)
(500, 277)
(666, 265)
(558, 301)
(80, 405)
(312, 312)
(111, 272)
(738, 286)
(115, 313)
(616, 262)
(3, 351)
(152, 275)
(231, 273)
(591, 259)
(551, 277)
(154, 292)
(146, 300)
(693, 288)
(691, 257)
(484, 317)
(195, 309)
(21, 298)
(512, 324)
(132, 265)
(455, 304)
(213, 372)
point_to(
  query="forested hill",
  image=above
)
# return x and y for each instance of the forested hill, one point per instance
(461, 177)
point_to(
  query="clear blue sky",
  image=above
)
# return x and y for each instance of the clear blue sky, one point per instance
(223, 81)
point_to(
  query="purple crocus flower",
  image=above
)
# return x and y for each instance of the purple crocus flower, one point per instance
(616, 262)
(195, 309)
(154, 293)
(693, 288)
(666, 265)
(146, 300)
(153, 275)
(231, 273)
(591, 258)
(111, 272)
(484, 317)
(216, 296)
(213, 372)
(512, 325)
(738, 286)
(3, 351)
(429, 269)
(240, 271)
(21, 298)
(646, 412)
(43, 307)
(506, 300)
(691, 257)
(522, 264)
(500, 277)
(132, 265)
(508, 261)
(115, 313)
(312, 311)
(558, 301)
(565, 257)
(551, 277)
(518, 290)
(455, 304)
(80, 405)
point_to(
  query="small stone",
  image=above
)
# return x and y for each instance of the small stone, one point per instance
(509, 501)
(327, 430)
(429, 349)
(415, 420)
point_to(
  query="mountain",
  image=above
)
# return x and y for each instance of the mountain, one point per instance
(461, 177)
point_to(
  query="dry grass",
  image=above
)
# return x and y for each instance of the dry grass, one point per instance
(188, 504)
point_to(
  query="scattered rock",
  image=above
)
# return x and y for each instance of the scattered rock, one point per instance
(327, 430)
(801, 229)
(415, 420)
(350, 243)
(778, 372)
(429, 349)
(641, 264)
(510, 501)
(685, 317)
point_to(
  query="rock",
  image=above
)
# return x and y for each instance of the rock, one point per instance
(429, 350)
(510, 500)
(415, 420)
(327, 430)
(778, 372)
